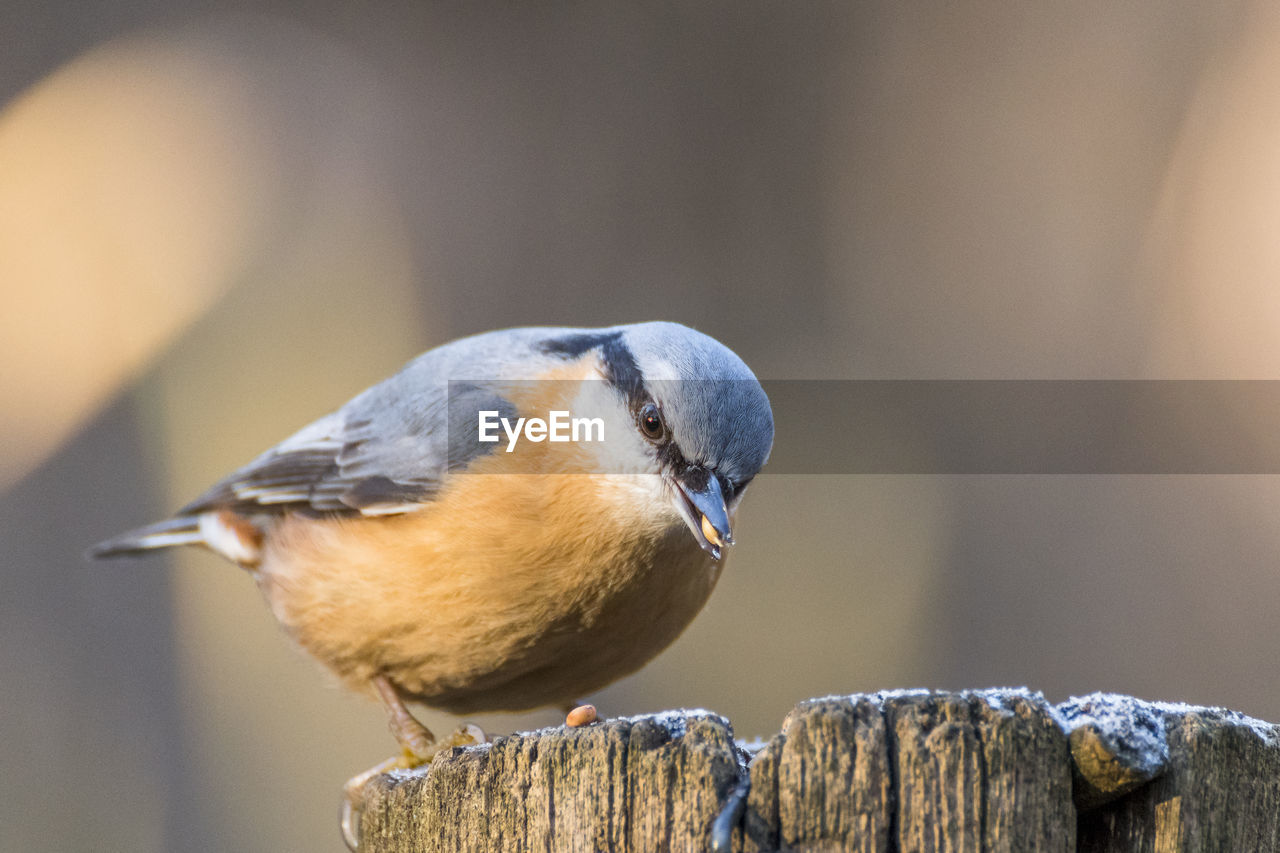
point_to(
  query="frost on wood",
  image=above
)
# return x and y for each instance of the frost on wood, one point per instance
(642, 784)
(912, 770)
(1117, 743)
(1219, 788)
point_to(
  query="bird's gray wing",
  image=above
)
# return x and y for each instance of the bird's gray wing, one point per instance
(387, 451)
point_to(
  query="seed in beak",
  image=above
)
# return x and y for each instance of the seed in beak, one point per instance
(710, 532)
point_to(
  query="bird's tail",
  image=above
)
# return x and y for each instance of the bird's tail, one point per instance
(183, 530)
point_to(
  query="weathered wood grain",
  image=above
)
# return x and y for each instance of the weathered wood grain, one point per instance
(643, 784)
(824, 783)
(1219, 791)
(914, 771)
(990, 770)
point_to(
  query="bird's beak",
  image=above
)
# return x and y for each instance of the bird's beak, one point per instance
(700, 501)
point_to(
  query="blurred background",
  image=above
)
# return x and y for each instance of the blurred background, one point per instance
(216, 226)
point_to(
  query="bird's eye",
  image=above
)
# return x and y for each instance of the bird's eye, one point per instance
(651, 422)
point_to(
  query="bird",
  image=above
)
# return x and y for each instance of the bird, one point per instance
(431, 541)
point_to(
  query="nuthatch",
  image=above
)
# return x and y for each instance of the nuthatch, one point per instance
(423, 561)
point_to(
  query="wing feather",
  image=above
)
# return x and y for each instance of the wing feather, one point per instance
(386, 451)
(380, 454)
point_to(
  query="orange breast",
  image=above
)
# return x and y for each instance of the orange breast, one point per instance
(508, 591)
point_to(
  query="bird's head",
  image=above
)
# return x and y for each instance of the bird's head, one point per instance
(696, 414)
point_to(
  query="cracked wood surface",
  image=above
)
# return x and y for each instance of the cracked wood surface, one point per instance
(989, 770)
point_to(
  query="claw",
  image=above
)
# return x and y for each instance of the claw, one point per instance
(353, 799)
(351, 825)
(467, 734)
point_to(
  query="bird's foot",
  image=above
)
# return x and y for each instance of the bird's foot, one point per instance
(422, 750)
(467, 734)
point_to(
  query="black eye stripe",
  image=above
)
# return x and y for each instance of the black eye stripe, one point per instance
(623, 373)
(619, 362)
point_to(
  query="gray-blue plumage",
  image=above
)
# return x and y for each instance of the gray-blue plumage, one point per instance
(718, 413)
(393, 445)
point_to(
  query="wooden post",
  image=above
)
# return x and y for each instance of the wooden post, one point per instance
(990, 770)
